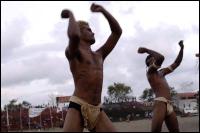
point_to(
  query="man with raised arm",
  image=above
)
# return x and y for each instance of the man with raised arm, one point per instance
(163, 109)
(87, 70)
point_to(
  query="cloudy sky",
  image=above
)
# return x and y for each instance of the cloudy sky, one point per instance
(33, 41)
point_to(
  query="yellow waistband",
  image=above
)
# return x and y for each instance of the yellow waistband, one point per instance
(81, 101)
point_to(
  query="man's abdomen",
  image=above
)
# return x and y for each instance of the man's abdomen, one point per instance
(89, 87)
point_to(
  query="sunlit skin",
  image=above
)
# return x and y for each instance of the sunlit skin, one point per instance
(87, 66)
(161, 88)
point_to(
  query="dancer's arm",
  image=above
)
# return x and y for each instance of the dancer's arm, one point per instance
(116, 30)
(177, 62)
(73, 34)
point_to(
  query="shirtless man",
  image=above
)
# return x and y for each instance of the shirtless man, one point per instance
(163, 109)
(87, 70)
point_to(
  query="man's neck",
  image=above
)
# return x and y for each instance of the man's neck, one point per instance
(85, 45)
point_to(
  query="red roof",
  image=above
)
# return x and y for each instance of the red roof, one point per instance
(62, 99)
(187, 95)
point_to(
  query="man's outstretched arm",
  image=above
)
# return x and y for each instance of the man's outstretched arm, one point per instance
(73, 34)
(177, 62)
(116, 30)
(159, 58)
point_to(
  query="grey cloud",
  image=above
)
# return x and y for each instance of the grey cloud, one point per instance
(34, 63)
(11, 37)
(39, 67)
(195, 29)
(23, 64)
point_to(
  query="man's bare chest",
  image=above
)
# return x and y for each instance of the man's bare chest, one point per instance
(91, 58)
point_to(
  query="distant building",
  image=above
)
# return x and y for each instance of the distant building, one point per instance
(62, 99)
(186, 101)
(62, 102)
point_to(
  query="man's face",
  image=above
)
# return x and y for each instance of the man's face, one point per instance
(87, 34)
(150, 61)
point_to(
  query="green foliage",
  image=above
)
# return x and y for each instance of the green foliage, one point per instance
(14, 105)
(147, 95)
(118, 92)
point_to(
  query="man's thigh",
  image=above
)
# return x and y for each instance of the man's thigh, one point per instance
(159, 113)
(73, 121)
(104, 124)
(172, 123)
